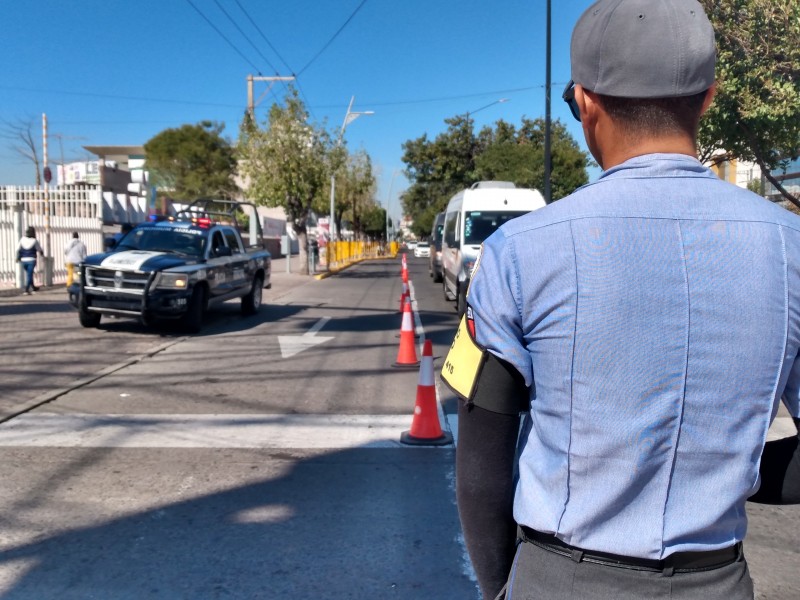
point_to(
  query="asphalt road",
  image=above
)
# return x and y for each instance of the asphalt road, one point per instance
(258, 459)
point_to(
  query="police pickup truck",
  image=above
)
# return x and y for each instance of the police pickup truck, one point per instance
(174, 269)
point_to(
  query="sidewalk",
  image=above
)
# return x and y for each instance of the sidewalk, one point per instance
(280, 278)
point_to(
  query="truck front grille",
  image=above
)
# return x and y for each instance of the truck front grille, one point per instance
(110, 279)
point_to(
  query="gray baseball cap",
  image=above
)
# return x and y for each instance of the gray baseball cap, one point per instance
(644, 48)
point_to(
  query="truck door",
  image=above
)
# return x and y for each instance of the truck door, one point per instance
(219, 265)
(240, 264)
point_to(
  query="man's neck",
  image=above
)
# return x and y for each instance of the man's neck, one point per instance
(617, 151)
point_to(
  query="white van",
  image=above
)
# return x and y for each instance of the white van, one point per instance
(472, 215)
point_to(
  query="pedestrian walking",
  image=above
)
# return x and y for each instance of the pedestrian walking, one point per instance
(27, 251)
(647, 327)
(75, 253)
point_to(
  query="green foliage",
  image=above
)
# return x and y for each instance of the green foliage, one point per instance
(286, 161)
(192, 161)
(754, 185)
(756, 113)
(373, 221)
(355, 190)
(457, 158)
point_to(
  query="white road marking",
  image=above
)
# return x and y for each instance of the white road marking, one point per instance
(204, 431)
(295, 344)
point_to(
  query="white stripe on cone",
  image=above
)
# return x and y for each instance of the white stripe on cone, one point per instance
(426, 368)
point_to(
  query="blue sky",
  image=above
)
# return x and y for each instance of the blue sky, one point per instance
(117, 73)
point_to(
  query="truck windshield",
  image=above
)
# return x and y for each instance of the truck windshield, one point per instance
(480, 224)
(188, 242)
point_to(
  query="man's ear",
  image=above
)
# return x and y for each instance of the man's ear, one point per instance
(587, 104)
(710, 93)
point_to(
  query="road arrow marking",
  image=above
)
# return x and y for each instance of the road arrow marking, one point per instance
(295, 344)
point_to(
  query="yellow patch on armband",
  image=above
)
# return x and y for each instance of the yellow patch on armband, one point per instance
(463, 363)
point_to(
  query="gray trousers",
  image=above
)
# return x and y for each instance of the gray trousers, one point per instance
(538, 574)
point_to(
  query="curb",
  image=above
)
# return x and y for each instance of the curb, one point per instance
(337, 270)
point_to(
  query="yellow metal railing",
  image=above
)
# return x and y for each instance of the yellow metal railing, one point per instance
(343, 253)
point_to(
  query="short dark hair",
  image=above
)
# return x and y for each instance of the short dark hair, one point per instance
(75, 234)
(655, 116)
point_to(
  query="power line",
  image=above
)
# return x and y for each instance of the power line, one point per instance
(335, 35)
(275, 50)
(249, 41)
(222, 35)
(244, 35)
(118, 97)
(447, 98)
(238, 106)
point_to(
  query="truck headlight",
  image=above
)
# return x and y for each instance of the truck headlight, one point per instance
(172, 281)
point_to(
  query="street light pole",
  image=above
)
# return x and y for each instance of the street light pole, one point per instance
(349, 117)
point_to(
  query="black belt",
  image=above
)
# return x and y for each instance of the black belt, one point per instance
(679, 562)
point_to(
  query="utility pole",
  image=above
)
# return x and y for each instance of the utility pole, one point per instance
(251, 105)
(48, 260)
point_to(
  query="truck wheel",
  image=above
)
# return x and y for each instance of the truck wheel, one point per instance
(252, 301)
(88, 319)
(196, 312)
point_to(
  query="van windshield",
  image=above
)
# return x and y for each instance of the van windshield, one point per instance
(480, 224)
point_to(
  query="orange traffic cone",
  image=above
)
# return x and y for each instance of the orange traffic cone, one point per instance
(403, 296)
(425, 429)
(404, 274)
(407, 353)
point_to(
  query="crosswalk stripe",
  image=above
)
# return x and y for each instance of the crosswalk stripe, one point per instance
(204, 431)
(230, 431)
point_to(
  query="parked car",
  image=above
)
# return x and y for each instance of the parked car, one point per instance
(423, 249)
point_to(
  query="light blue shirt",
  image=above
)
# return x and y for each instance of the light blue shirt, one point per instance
(656, 312)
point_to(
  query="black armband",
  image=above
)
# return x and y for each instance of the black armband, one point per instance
(780, 472)
(479, 377)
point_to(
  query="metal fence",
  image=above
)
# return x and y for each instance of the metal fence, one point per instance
(69, 210)
(343, 253)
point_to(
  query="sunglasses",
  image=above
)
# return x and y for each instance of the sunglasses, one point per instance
(569, 98)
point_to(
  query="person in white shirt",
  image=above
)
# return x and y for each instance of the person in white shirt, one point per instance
(75, 252)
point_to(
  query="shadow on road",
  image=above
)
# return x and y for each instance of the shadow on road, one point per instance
(348, 524)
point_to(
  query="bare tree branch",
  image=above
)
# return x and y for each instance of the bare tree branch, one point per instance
(21, 132)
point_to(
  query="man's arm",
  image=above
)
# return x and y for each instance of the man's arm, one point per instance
(485, 460)
(780, 471)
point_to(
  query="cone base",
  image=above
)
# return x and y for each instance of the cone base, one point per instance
(442, 440)
(398, 365)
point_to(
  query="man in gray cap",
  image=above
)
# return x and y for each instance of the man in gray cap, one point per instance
(648, 327)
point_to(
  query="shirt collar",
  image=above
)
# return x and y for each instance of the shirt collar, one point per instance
(657, 165)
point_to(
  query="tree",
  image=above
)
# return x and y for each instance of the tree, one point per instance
(457, 158)
(192, 161)
(439, 168)
(24, 143)
(374, 221)
(756, 113)
(355, 188)
(286, 163)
